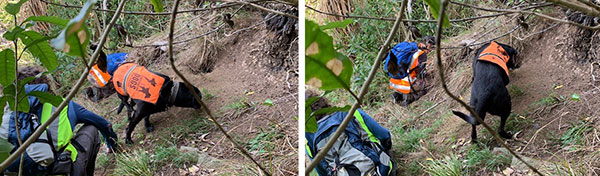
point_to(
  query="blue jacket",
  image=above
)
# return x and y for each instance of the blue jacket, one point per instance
(114, 60)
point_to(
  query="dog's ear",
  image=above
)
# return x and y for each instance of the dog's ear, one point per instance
(512, 53)
(101, 61)
(392, 65)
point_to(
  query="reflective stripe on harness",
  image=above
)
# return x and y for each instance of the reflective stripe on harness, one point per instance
(307, 148)
(125, 80)
(364, 126)
(99, 76)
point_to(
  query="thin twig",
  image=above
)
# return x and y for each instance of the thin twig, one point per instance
(66, 101)
(16, 84)
(201, 35)
(156, 13)
(483, 42)
(264, 8)
(197, 97)
(524, 11)
(424, 21)
(365, 88)
(430, 108)
(536, 132)
(445, 87)
(536, 33)
(583, 9)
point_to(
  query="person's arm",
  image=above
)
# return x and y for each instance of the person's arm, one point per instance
(87, 117)
(378, 131)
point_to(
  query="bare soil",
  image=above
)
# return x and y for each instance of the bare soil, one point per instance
(554, 67)
(239, 70)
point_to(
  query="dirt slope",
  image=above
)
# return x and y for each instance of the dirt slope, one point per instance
(552, 126)
(249, 80)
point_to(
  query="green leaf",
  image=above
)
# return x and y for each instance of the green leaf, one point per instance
(575, 97)
(46, 97)
(48, 19)
(13, 34)
(337, 24)
(158, 5)
(9, 95)
(13, 9)
(268, 102)
(2, 104)
(7, 67)
(5, 148)
(326, 69)
(74, 38)
(311, 125)
(39, 49)
(330, 110)
(434, 8)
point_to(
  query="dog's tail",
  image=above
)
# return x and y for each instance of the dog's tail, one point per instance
(468, 118)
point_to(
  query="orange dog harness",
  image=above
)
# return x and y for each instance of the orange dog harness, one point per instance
(494, 53)
(102, 78)
(403, 85)
(137, 82)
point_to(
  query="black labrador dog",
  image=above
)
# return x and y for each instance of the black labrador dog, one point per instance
(171, 94)
(488, 91)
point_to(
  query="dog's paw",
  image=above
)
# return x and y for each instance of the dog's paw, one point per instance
(128, 141)
(505, 135)
(149, 129)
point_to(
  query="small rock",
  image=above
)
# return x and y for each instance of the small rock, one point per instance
(187, 149)
(193, 169)
(508, 171)
(466, 42)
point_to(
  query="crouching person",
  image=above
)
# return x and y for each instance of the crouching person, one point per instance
(405, 65)
(60, 150)
(363, 148)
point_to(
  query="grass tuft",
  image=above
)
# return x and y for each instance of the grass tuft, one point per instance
(480, 158)
(262, 143)
(133, 164)
(449, 166)
(576, 135)
(170, 155)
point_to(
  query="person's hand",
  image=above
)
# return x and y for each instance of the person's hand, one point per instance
(115, 147)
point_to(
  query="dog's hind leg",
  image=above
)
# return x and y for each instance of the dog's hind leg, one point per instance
(149, 127)
(501, 131)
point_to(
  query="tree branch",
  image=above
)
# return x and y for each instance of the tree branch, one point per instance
(534, 13)
(577, 6)
(483, 42)
(425, 21)
(445, 87)
(365, 88)
(263, 8)
(156, 13)
(70, 96)
(197, 97)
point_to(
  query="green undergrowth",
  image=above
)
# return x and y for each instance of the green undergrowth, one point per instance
(263, 142)
(182, 129)
(575, 136)
(449, 166)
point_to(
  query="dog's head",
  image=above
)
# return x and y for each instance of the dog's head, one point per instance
(101, 62)
(513, 62)
(185, 98)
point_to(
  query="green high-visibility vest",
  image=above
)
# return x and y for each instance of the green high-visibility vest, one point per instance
(60, 129)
